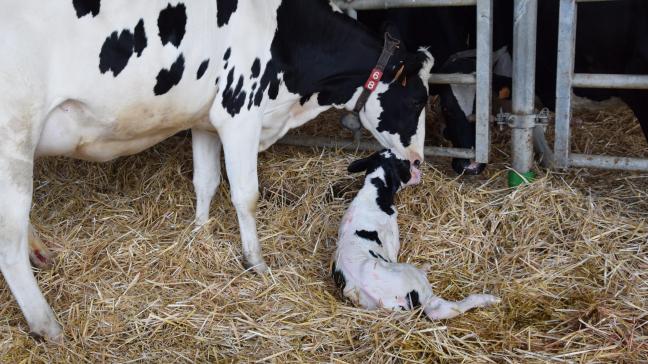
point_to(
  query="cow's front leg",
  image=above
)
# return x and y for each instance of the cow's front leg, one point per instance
(207, 171)
(240, 140)
(16, 167)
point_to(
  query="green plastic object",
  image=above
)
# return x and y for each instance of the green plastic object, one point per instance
(516, 179)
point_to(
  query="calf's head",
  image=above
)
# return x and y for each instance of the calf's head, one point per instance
(397, 172)
(395, 111)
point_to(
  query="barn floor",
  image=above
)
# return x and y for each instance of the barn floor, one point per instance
(568, 255)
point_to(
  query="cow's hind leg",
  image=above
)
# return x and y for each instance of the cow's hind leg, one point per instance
(440, 309)
(207, 171)
(16, 171)
(241, 146)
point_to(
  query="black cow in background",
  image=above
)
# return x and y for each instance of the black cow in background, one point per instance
(612, 37)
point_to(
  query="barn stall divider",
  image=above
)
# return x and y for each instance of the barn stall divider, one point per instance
(528, 127)
(567, 80)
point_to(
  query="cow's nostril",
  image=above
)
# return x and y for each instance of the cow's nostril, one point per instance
(417, 163)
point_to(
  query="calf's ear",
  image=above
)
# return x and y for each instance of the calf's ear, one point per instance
(364, 164)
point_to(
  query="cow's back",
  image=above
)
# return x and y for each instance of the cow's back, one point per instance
(108, 78)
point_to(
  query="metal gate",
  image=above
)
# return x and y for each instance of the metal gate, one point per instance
(567, 80)
(527, 127)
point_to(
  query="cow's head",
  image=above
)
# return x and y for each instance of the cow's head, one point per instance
(395, 111)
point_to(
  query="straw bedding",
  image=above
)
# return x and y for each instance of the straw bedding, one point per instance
(132, 281)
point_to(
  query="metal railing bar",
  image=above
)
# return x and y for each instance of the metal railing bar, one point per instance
(453, 79)
(347, 144)
(610, 81)
(608, 162)
(386, 4)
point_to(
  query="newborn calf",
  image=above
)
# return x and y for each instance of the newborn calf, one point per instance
(365, 264)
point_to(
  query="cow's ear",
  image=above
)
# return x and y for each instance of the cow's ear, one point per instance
(393, 30)
(362, 165)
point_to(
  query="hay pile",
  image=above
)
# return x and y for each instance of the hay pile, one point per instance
(134, 283)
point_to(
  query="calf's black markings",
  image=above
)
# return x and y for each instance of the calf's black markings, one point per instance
(369, 235)
(118, 48)
(85, 7)
(413, 299)
(338, 277)
(172, 23)
(202, 69)
(234, 98)
(227, 54)
(378, 256)
(224, 11)
(166, 79)
(385, 199)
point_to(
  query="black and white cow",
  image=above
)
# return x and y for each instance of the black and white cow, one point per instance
(449, 33)
(365, 264)
(96, 80)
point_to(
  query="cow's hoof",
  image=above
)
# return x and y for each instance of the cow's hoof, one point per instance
(39, 255)
(259, 267)
(51, 332)
(466, 167)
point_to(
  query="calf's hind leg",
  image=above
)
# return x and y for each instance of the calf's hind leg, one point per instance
(440, 309)
(16, 171)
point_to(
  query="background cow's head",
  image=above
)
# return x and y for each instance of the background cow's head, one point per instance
(395, 111)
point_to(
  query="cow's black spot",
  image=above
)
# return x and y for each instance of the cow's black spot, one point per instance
(85, 7)
(413, 299)
(224, 11)
(140, 41)
(378, 256)
(385, 199)
(256, 68)
(116, 51)
(269, 81)
(217, 80)
(234, 99)
(172, 22)
(401, 107)
(166, 79)
(338, 277)
(202, 69)
(369, 235)
(227, 54)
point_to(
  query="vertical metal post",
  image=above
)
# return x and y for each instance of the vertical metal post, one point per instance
(524, 65)
(484, 79)
(565, 76)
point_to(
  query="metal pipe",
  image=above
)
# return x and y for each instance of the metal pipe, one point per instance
(524, 65)
(564, 81)
(346, 144)
(453, 79)
(385, 4)
(484, 80)
(608, 162)
(588, 80)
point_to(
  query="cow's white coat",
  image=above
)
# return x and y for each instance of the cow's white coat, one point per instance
(55, 102)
